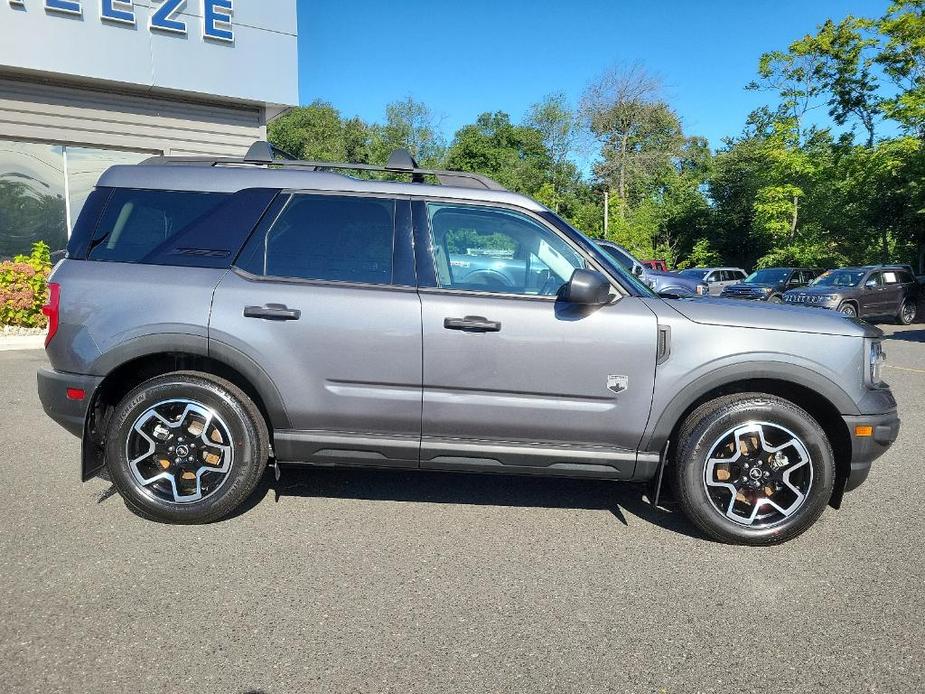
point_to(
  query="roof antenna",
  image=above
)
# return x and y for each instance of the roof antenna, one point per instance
(259, 153)
(401, 160)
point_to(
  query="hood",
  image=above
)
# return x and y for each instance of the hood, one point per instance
(747, 314)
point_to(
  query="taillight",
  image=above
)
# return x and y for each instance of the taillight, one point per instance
(52, 309)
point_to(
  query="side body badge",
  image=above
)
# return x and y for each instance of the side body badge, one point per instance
(617, 384)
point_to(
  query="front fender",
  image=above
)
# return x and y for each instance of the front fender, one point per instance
(662, 423)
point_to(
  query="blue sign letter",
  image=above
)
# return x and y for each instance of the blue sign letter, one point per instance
(69, 6)
(118, 11)
(163, 18)
(216, 19)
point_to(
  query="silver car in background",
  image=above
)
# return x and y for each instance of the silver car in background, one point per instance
(716, 278)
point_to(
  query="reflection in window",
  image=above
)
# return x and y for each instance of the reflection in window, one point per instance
(32, 206)
(84, 168)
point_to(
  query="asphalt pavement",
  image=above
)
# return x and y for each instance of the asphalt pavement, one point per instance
(364, 581)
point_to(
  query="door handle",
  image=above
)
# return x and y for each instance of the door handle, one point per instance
(472, 324)
(272, 312)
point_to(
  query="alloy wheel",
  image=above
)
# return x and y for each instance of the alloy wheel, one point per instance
(179, 451)
(908, 312)
(758, 474)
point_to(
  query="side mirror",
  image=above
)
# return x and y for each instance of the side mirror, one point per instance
(587, 288)
(638, 270)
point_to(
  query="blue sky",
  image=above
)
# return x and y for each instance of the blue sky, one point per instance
(466, 58)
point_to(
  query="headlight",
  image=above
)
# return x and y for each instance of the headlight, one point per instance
(766, 290)
(875, 358)
(829, 298)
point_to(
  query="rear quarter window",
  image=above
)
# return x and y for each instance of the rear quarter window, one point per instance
(138, 224)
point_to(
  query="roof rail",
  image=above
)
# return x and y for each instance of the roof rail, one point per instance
(400, 162)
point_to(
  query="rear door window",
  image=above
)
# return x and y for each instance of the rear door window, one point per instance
(137, 223)
(326, 237)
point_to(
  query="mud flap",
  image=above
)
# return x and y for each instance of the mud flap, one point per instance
(92, 455)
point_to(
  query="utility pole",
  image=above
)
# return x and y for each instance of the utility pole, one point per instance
(606, 212)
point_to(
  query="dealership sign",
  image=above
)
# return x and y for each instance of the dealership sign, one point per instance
(166, 14)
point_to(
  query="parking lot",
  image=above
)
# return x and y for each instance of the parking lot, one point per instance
(364, 581)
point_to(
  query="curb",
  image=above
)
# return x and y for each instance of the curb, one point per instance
(12, 343)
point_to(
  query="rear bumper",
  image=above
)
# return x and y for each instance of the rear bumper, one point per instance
(866, 449)
(53, 392)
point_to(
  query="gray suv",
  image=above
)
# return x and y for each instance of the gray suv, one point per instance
(864, 292)
(214, 316)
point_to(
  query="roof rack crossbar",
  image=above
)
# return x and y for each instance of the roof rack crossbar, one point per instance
(400, 162)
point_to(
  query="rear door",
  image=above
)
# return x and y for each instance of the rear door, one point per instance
(514, 378)
(892, 293)
(322, 299)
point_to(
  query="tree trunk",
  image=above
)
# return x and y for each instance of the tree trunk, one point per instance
(796, 216)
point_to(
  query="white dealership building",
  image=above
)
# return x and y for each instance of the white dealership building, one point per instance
(85, 84)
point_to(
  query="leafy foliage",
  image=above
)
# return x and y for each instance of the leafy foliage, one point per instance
(790, 189)
(24, 288)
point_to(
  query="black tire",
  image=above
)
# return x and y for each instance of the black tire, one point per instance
(776, 299)
(707, 425)
(249, 448)
(848, 310)
(907, 312)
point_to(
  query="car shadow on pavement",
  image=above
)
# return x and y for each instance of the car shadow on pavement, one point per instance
(917, 335)
(516, 491)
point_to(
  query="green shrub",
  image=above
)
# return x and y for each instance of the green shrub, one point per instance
(24, 288)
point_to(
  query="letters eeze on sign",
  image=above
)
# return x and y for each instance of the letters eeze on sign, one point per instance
(166, 15)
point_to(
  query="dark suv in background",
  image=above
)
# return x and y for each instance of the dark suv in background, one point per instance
(869, 291)
(770, 284)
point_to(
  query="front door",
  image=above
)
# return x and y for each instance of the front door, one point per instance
(871, 296)
(513, 377)
(323, 301)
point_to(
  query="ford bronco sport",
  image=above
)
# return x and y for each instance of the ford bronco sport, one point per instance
(212, 316)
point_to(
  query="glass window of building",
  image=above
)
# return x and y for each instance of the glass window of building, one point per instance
(84, 168)
(32, 204)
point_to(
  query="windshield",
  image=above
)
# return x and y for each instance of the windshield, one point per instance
(839, 278)
(627, 278)
(694, 274)
(767, 277)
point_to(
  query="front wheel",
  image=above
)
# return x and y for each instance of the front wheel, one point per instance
(753, 469)
(776, 299)
(848, 310)
(186, 447)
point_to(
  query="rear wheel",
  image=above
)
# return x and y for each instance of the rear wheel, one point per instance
(186, 447)
(753, 469)
(907, 312)
(848, 310)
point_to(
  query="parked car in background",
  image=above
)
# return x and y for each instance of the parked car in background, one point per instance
(716, 278)
(657, 265)
(770, 284)
(872, 290)
(663, 283)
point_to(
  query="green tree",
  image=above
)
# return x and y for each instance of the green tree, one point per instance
(410, 125)
(317, 132)
(903, 60)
